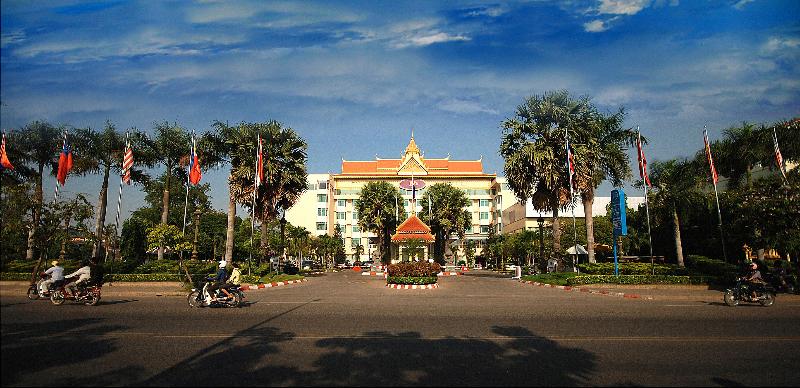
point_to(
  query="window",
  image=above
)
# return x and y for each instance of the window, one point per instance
(356, 229)
(499, 228)
(341, 202)
(484, 228)
(322, 197)
(484, 216)
(405, 203)
(340, 215)
(322, 212)
(322, 226)
(484, 203)
(468, 230)
(322, 184)
(355, 215)
(355, 242)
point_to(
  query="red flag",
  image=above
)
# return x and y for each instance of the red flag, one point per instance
(778, 156)
(642, 161)
(710, 159)
(64, 162)
(260, 163)
(4, 162)
(127, 163)
(570, 167)
(194, 166)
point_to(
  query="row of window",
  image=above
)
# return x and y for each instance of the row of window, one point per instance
(323, 226)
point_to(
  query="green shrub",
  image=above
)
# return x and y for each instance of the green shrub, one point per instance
(631, 269)
(418, 280)
(21, 266)
(704, 266)
(414, 269)
(557, 278)
(638, 279)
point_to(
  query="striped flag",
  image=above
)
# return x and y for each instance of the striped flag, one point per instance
(194, 165)
(127, 163)
(64, 161)
(4, 162)
(260, 163)
(642, 161)
(710, 159)
(778, 156)
(570, 168)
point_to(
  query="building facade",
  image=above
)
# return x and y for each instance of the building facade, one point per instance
(330, 198)
(519, 217)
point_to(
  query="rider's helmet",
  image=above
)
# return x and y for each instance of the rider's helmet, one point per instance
(753, 266)
(54, 263)
(223, 263)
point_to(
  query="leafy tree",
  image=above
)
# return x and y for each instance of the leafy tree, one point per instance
(377, 207)
(448, 215)
(167, 237)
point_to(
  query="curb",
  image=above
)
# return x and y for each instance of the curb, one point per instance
(373, 273)
(413, 286)
(449, 274)
(589, 291)
(270, 285)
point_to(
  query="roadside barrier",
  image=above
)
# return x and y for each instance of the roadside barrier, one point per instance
(413, 286)
(270, 285)
(589, 291)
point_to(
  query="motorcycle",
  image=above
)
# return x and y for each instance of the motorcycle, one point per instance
(203, 298)
(89, 294)
(780, 281)
(765, 295)
(35, 290)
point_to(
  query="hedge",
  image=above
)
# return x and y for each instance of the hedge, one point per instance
(414, 269)
(639, 279)
(632, 269)
(161, 277)
(419, 280)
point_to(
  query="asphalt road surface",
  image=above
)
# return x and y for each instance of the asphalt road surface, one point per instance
(347, 329)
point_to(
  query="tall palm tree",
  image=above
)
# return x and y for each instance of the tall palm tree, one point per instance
(741, 150)
(37, 146)
(447, 214)
(171, 143)
(379, 207)
(675, 187)
(102, 152)
(285, 154)
(600, 145)
(533, 147)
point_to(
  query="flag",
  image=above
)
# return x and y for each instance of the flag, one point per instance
(64, 162)
(260, 162)
(714, 175)
(4, 162)
(127, 163)
(642, 161)
(778, 156)
(194, 165)
(570, 167)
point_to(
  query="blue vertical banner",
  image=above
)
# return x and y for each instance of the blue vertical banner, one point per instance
(618, 220)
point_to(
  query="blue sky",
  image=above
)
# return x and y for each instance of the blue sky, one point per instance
(353, 77)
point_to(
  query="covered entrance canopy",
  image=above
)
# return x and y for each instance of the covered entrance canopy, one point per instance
(413, 230)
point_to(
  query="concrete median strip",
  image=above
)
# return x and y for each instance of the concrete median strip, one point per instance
(262, 286)
(590, 291)
(413, 286)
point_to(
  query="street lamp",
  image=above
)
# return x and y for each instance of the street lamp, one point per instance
(540, 221)
(196, 230)
(283, 234)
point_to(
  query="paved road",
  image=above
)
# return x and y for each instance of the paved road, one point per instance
(347, 329)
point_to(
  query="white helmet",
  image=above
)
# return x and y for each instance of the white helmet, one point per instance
(223, 263)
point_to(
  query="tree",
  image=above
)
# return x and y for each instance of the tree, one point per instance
(533, 147)
(675, 187)
(103, 152)
(167, 237)
(378, 207)
(447, 216)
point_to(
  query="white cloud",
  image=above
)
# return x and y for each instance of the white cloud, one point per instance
(595, 26)
(741, 3)
(456, 105)
(440, 37)
(15, 37)
(622, 7)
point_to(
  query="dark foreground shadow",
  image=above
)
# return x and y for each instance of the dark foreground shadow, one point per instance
(512, 356)
(28, 349)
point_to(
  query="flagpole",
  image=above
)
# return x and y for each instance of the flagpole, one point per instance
(119, 205)
(642, 173)
(572, 202)
(189, 172)
(253, 208)
(55, 194)
(716, 195)
(779, 158)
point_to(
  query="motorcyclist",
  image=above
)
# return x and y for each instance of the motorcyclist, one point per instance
(83, 273)
(56, 273)
(753, 279)
(235, 278)
(218, 282)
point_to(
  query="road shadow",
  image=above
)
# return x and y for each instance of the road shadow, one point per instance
(29, 349)
(119, 301)
(511, 356)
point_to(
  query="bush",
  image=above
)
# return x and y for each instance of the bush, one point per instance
(557, 278)
(702, 265)
(631, 269)
(414, 269)
(638, 279)
(21, 266)
(417, 280)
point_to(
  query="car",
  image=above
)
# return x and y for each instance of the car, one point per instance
(367, 263)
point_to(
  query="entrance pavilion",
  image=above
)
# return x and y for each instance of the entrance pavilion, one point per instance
(410, 233)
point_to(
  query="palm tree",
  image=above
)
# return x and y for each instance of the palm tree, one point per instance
(533, 147)
(675, 187)
(741, 150)
(37, 146)
(379, 207)
(102, 152)
(447, 215)
(600, 145)
(285, 171)
(171, 143)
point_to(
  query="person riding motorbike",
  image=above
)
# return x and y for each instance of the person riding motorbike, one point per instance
(56, 273)
(83, 273)
(235, 278)
(218, 282)
(753, 280)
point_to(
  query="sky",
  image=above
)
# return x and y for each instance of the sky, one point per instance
(354, 77)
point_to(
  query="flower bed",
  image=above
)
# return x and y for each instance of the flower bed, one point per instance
(411, 280)
(416, 273)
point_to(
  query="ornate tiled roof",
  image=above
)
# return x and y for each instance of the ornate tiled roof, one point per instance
(413, 228)
(413, 163)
